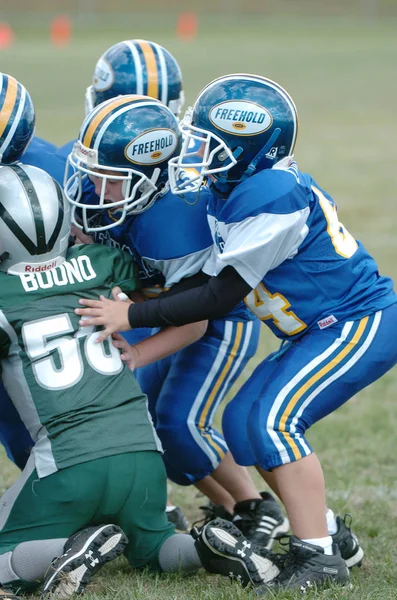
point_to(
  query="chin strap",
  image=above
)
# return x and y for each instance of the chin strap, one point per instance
(223, 184)
(250, 170)
(222, 180)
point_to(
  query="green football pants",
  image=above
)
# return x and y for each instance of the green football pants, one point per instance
(128, 490)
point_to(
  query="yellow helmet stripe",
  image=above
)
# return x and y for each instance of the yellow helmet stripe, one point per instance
(151, 67)
(102, 114)
(9, 103)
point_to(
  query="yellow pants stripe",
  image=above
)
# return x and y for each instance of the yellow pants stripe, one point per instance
(219, 382)
(313, 380)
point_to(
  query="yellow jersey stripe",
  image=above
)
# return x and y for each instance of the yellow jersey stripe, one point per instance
(299, 393)
(9, 103)
(102, 114)
(151, 67)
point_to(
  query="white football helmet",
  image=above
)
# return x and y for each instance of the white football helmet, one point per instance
(34, 220)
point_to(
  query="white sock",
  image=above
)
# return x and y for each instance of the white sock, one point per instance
(170, 508)
(324, 542)
(331, 522)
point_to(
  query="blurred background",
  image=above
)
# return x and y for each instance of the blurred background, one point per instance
(337, 58)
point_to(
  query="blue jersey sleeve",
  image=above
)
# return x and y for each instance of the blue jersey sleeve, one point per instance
(42, 156)
(66, 149)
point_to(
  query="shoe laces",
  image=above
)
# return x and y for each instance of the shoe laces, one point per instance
(212, 511)
(290, 563)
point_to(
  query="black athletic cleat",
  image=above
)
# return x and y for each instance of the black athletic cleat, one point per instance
(306, 566)
(85, 553)
(350, 549)
(178, 518)
(223, 549)
(261, 521)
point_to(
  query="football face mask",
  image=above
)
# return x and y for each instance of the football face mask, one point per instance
(135, 194)
(201, 150)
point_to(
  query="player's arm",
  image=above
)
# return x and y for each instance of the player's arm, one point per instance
(209, 301)
(254, 247)
(162, 344)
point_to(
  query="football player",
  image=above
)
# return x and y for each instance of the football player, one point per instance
(96, 455)
(144, 67)
(18, 143)
(279, 244)
(124, 147)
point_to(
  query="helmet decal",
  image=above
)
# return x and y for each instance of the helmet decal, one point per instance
(152, 147)
(103, 76)
(240, 117)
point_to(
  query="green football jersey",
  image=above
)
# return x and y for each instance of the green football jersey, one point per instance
(77, 398)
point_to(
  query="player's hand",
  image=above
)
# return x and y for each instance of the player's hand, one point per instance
(128, 352)
(81, 237)
(111, 314)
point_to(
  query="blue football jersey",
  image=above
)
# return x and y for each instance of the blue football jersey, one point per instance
(282, 234)
(66, 149)
(170, 241)
(42, 154)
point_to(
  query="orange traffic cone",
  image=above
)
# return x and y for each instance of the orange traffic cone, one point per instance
(61, 31)
(187, 26)
(6, 36)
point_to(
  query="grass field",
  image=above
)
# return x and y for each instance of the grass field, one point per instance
(342, 75)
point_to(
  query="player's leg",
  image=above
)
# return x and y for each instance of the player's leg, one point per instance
(314, 378)
(151, 379)
(197, 382)
(152, 542)
(216, 493)
(37, 516)
(266, 521)
(142, 514)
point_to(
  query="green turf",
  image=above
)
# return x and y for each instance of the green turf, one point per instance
(342, 75)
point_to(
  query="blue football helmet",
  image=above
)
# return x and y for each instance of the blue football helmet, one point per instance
(129, 139)
(136, 67)
(245, 123)
(17, 119)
